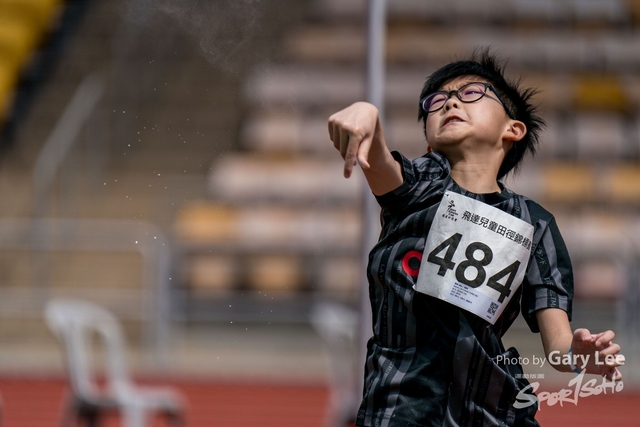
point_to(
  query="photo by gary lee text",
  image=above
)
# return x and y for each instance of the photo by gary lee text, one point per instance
(556, 358)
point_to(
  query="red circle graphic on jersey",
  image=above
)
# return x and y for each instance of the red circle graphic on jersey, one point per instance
(411, 263)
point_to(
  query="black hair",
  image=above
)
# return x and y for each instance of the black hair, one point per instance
(518, 101)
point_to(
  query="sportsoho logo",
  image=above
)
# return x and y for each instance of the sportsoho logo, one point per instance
(576, 389)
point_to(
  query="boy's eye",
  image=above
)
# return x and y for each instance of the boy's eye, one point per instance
(472, 91)
(437, 100)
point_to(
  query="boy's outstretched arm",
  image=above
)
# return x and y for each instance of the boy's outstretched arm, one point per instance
(357, 133)
(601, 355)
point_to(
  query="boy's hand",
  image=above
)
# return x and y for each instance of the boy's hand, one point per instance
(352, 131)
(604, 355)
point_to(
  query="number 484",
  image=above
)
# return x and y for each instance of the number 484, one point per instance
(446, 263)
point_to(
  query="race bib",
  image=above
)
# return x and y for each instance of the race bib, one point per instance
(475, 256)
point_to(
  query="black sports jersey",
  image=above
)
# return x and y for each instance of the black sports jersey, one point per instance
(430, 363)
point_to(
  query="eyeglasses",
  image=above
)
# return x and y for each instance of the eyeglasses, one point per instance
(471, 92)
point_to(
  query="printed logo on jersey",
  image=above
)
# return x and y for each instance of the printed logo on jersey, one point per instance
(411, 263)
(451, 212)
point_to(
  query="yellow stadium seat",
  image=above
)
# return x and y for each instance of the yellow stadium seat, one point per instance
(40, 13)
(8, 79)
(275, 273)
(625, 183)
(340, 276)
(211, 274)
(202, 222)
(266, 227)
(17, 40)
(568, 183)
(601, 93)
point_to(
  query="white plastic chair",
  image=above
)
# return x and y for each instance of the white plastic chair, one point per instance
(74, 323)
(337, 325)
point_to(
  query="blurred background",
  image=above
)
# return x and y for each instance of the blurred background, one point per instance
(168, 160)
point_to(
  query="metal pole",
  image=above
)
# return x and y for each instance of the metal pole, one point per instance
(54, 152)
(376, 35)
(61, 139)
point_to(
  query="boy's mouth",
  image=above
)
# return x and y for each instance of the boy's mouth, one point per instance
(451, 119)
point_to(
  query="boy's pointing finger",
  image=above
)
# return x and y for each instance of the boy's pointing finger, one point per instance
(350, 153)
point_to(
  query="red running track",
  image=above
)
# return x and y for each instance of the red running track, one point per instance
(36, 402)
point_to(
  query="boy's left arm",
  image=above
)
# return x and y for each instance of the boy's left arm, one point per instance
(602, 356)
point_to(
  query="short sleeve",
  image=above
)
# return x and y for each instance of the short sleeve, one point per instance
(549, 279)
(418, 176)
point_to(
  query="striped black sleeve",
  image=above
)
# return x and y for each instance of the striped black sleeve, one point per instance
(418, 176)
(549, 279)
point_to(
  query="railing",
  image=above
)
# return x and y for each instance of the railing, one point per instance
(96, 236)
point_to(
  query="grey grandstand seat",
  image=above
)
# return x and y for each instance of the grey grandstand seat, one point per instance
(74, 322)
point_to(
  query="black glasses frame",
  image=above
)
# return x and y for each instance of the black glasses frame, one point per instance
(457, 93)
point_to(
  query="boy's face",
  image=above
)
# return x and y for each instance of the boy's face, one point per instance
(476, 125)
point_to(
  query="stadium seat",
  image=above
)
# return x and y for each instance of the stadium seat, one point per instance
(74, 322)
(268, 248)
(297, 179)
(518, 13)
(551, 141)
(410, 45)
(17, 40)
(599, 279)
(263, 227)
(40, 13)
(202, 222)
(341, 44)
(619, 51)
(8, 78)
(275, 272)
(593, 92)
(634, 10)
(213, 275)
(310, 87)
(543, 11)
(552, 49)
(625, 183)
(210, 274)
(281, 133)
(600, 136)
(340, 277)
(611, 12)
(568, 183)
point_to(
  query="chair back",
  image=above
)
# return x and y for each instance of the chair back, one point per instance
(74, 322)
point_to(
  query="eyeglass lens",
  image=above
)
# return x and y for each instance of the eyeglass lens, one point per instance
(468, 93)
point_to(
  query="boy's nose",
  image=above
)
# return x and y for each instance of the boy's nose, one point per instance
(452, 102)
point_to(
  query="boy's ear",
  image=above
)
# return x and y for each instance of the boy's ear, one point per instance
(516, 131)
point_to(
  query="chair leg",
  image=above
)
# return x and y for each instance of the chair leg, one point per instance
(134, 416)
(69, 411)
(90, 416)
(92, 419)
(175, 419)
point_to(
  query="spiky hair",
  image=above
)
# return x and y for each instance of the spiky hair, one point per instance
(518, 100)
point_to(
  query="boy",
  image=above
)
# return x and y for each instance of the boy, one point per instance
(458, 255)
